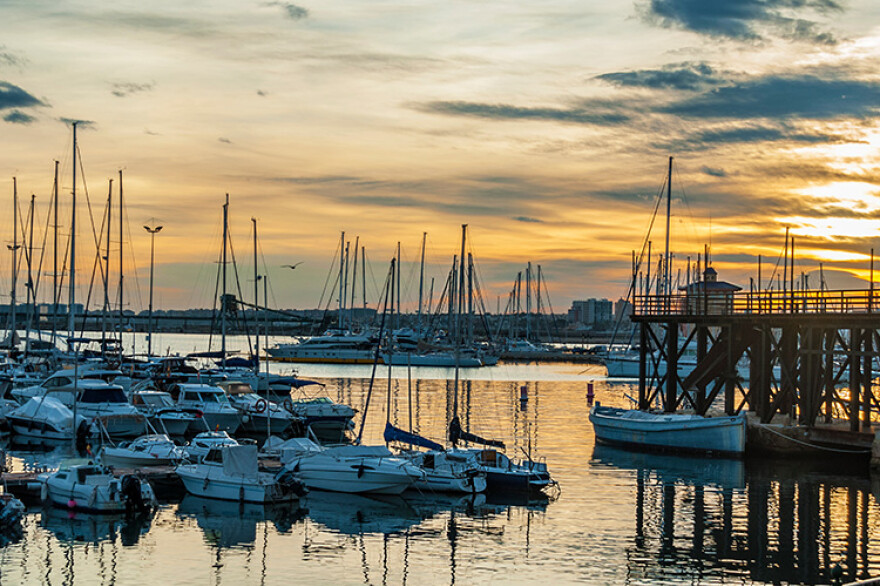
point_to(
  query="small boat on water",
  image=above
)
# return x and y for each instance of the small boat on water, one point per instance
(232, 474)
(85, 486)
(147, 450)
(675, 432)
(206, 441)
(47, 418)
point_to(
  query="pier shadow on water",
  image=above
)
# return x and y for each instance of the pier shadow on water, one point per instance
(768, 521)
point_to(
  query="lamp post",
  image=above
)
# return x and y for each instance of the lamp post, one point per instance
(152, 231)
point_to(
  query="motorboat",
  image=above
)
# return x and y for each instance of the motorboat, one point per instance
(206, 441)
(147, 450)
(47, 418)
(217, 412)
(163, 413)
(334, 346)
(351, 469)
(675, 432)
(95, 399)
(258, 414)
(86, 486)
(327, 419)
(233, 474)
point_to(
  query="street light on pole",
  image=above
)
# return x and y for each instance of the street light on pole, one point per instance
(152, 231)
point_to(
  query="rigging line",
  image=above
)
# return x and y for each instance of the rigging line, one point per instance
(244, 319)
(687, 206)
(137, 281)
(216, 296)
(330, 272)
(45, 240)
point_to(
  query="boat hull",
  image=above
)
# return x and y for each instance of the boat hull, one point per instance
(231, 489)
(722, 436)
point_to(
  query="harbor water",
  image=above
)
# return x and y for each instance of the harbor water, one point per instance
(619, 517)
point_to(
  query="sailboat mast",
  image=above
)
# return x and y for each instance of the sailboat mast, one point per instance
(666, 288)
(529, 300)
(223, 294)
(71, 309)
(31, 295)
(106, 310)
(12, 302)
(421, 283)
(354, 275)
(121, 272)
(256, 303)
(458, 308)
(341, 276)
(55, 292)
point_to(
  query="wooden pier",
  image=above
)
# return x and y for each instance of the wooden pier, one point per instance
(811, 355)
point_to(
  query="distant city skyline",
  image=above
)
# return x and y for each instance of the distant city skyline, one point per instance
(546, 128)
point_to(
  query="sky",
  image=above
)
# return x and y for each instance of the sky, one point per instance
(546, 127)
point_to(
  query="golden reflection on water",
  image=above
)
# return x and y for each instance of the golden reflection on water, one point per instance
(622, 517)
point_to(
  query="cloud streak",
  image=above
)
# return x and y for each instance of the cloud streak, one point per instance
(680, 76)
(125, 89)
(608, 117)
(744, 20)
(12, 96)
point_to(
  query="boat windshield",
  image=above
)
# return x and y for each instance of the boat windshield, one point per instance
(108, 395)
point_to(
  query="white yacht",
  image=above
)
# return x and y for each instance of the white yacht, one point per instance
(46, 418)
(334, 346)
(258, 414)
(147, 450)
(83, 485)
(217, 412)
(163, 413)
(351, 469)
(232, 474)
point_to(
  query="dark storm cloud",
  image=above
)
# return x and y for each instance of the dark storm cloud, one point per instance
(793, 97)
(19, 117)
(678, 76)
(292, 11)
(744, 20)
(609, 117)
(121, 90)
(12, 96)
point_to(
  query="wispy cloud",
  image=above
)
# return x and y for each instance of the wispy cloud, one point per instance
(292, 11)
(678, 76)
(713, 172)
(224, 140)
(10, 59)
(124, 89)
(784, 97)
(19, 117)
(578, 115)
(744, 20)
(528, 220)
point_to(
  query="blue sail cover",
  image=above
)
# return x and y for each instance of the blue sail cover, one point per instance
(393, 434)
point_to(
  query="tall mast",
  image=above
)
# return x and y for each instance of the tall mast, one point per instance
(31, 295)
(256, 303)
(354, 275)
(341, 276)
(364, 279)
(457, 337)
(397, 280)
(121, 272)
(223, 295)
(470, 299)
(529, 300)
(14, 249)
(421, 282)
(344, 285)
(106, 311)
(55, 292)
(71, 309)
(666, 288)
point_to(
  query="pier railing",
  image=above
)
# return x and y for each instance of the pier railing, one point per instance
(758, 303)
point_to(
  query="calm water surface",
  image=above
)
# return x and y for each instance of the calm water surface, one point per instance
(621, 517)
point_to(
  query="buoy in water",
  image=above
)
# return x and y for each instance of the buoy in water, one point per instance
(590, 394)
(523, 394)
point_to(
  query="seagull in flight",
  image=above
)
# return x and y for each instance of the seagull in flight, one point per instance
(293, 266)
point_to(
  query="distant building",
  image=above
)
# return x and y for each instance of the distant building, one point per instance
(623, 309)
(592, 313)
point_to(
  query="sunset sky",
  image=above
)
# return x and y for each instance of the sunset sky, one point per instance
(544, 126)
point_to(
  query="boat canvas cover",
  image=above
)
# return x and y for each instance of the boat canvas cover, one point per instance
(394, 434)
(359, 451)
(457, 434)
(45, 409)
(240, 461)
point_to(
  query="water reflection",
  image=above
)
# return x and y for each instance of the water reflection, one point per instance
(228, 524)
(77, 527)
(770, 521)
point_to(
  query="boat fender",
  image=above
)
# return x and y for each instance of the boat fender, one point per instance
(590, 394)
(71, 504)
(288, 405)
(44, 491)
(260, 406)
